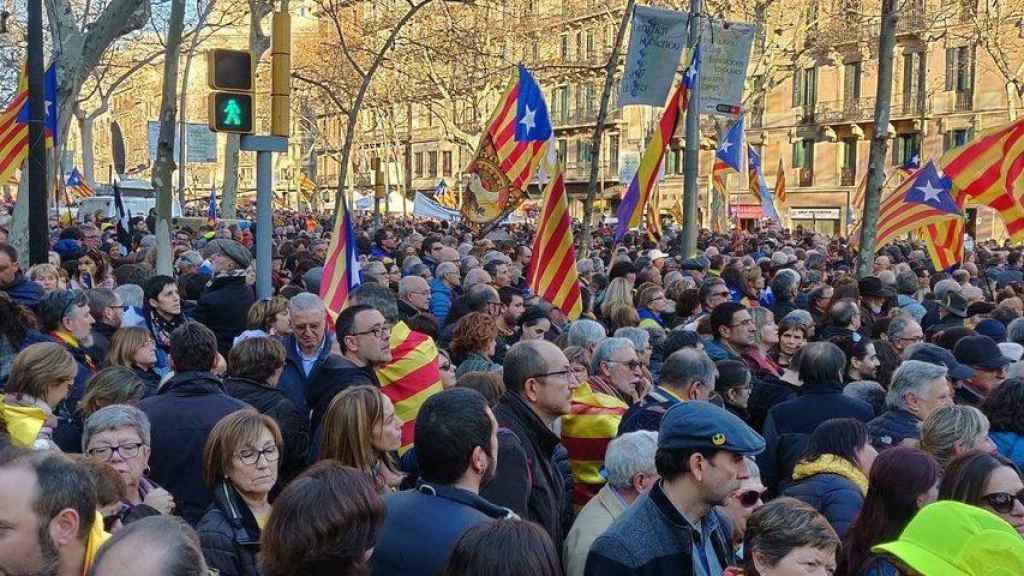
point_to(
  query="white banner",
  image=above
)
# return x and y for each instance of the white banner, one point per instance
(725, 54)
(655, 46)
(424, 207)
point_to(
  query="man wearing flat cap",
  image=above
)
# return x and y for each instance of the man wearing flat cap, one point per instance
(224, 305)
(674, 528)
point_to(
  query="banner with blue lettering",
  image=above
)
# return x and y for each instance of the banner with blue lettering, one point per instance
(655, 47)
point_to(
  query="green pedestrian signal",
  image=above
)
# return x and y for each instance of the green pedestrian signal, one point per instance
(231, 112)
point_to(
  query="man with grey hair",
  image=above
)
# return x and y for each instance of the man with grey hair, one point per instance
(917, 389)
(907, 286)
(616, 370)
(476, 277)
(307, 348)
(586, 334)
(1015, 331)
(375, 271)
(785, 286)
(687, 374)
(641, 339)
(629, 464)
(443, 288)
(413, 297)
(131, 296)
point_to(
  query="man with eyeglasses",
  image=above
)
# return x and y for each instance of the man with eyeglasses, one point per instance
(903, 332)
(65, 319)
(413, 297)
(687, 374)
(307, 348)
(539, 382)
(363, 335)
(713, 292)
(733, 330)
(107, 310)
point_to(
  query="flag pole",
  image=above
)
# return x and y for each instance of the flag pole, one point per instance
(692, 144)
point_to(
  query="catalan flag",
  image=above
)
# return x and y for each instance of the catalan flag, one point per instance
(76, 186)
(509, 152)
(341, 267)
(14, 123)
(922, 199)
(552, 271)
(779, 192)
(411, 377)
(446, 196)
(631, 209)
(758, 186)
(945, 242)
(587, 430)
(988, 170)
(653, 219)
(306, 184)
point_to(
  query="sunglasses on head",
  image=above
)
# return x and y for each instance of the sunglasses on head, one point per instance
(750, 498)
(1002, 502)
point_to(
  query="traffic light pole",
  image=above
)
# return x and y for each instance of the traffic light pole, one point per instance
(38, 220)
(264, 146)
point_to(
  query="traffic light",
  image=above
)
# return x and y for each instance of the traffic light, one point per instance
(229, 75)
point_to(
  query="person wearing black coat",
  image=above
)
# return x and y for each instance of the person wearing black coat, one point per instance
(296, 381)
(224, 305)
(528, 479)
(229, 534)
(789, 424)
(182, 414)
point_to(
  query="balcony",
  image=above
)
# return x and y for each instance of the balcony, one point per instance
(964, 101)
(805, 114)
(585, 116)
(911, 20)
(806, 177)
(848, 110)
(906, 104)
(580, 172)
(848, 177)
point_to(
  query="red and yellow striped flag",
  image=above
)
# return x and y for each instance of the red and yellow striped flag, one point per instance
(780, 185)
(341, 267)
(411, 377)
(988, 169)
(552, 272)
(653, 218)
(945, 242)
(586, 431)
(13, 134)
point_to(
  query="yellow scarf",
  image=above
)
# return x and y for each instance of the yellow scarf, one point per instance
(832, 464)
(97, 536)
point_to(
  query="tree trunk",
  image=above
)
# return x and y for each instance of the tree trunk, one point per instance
(879, 140)
(602, 114)
(163, 168)
(258, 44)
(85, 131)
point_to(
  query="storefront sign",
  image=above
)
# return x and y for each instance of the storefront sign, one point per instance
(814, 213)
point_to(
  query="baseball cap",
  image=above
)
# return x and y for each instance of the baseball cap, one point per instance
(697, 424)
(955, 539)
(933, 354)
(980, 351)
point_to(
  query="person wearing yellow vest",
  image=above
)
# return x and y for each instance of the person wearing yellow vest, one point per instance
(48, 507)
(40, 378)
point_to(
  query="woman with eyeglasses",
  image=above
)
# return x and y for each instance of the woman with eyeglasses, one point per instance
(988, 481)
(120, 436)
(473, 342)
(361, 430)
(133, 348)
(240, 465)
(903, 480)
(742, 503)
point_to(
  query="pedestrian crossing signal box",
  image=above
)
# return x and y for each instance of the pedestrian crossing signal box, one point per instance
(229, 75)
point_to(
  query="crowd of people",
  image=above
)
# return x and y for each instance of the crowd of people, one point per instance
(757, 409)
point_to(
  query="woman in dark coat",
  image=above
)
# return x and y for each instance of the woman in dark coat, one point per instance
(240, 466)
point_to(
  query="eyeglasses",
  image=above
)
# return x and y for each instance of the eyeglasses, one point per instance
(632, 364)
(750, 498)
(568, 372)
(747, 322)
(251, 456)
(127, 451)
(1002, 502)
(911, 339)
(377, 331)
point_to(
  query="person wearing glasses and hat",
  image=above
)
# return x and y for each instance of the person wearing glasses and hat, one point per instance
(224, 305)
(675, 528)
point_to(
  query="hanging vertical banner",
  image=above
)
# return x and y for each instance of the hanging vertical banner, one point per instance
(655, 47)
(723, 71)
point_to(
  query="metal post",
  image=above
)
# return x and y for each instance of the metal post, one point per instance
(692, 145)
(38, 228)
(264, 146)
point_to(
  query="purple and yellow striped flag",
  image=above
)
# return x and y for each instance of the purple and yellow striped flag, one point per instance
(631, 210)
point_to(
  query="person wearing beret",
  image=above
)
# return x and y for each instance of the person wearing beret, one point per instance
(224, 306)
(674, 528)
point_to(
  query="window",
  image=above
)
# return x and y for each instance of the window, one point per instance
(563, 150)
(851, 81)
(590, 45)
(676, 161)
(579, 46)
(955, 138)
(803, 154)
(418, 164)
(849, 158)
(589, 99)
(960, 69)
(563, 105)
(913, 73)
(613, 151)
(432, 163)
(805, 87)
(905, 148)
(446, 163)
(564, 50)
(583, 155)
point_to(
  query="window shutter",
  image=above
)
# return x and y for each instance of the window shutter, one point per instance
(951, 68)
(797, 79)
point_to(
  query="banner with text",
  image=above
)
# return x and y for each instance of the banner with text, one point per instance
(723, 68)
(655, 46)
(424, 207)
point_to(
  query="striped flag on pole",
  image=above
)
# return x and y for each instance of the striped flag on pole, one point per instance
(341, 267)
(552, 271)
(922, 199)
(76, 186)
(945, 242)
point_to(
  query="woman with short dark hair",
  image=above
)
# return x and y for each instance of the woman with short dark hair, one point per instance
(504, 548)
(324, 522)
(1005, 410)
(832, 476)
(162, 312)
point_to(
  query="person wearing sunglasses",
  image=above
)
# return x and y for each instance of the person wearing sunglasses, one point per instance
(988, 481)
(240, 464)
(742, 503)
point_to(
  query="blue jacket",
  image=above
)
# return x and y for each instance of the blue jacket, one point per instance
(24, 291)
(836, 498)
(893, 427)
(182, 414)
(422, 526)
(718, 351)
(1010, 445)
(294, 382)
(440, 300)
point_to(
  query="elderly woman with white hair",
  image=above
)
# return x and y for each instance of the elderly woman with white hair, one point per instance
(629, 467)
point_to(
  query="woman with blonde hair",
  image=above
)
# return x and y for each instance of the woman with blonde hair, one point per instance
(361, 430)
(954, 430)
(271, 316)
(40, 379)
(48, 276)
(135, 349)
(618, 293)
